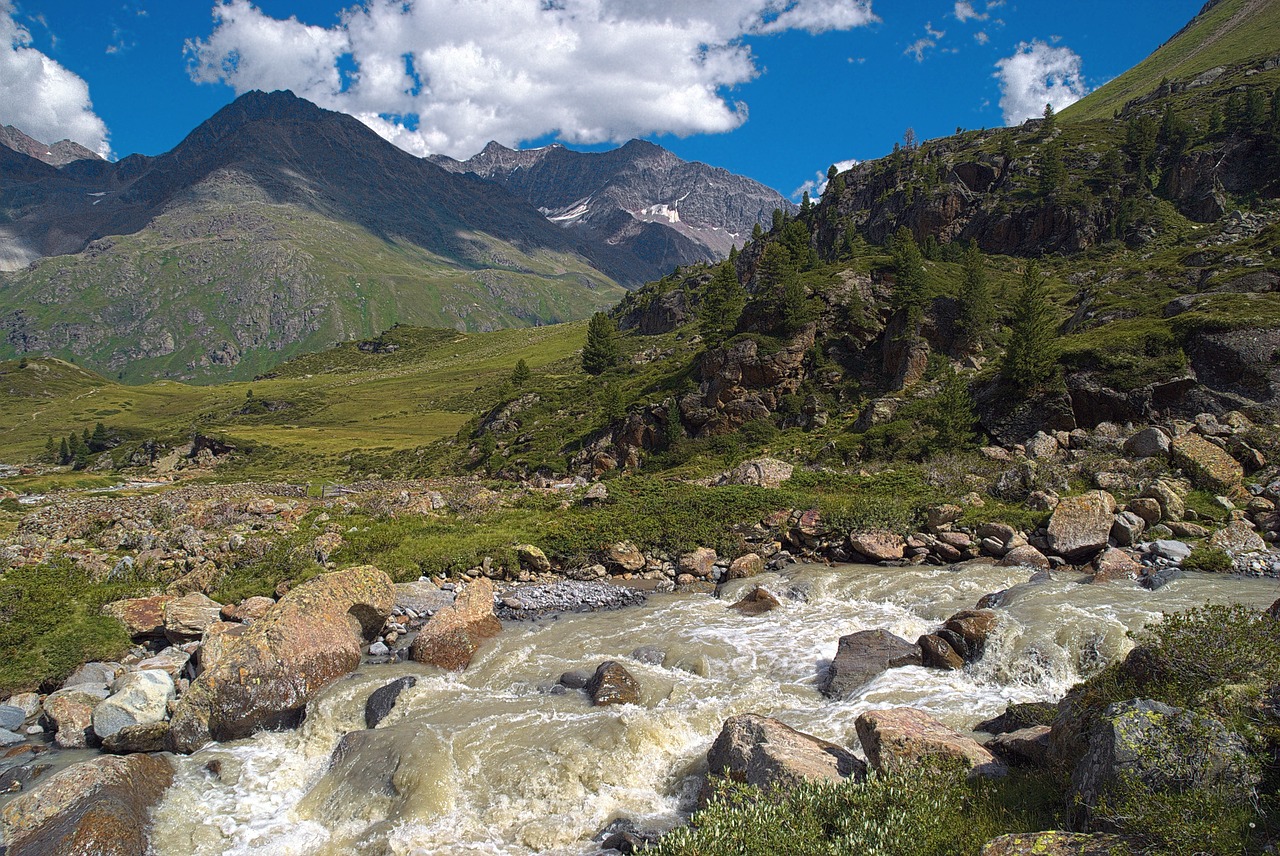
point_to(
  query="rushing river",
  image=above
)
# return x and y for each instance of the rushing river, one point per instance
(490, 762)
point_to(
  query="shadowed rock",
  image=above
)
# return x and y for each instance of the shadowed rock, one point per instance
(862, 656)
(454, 634)
(767, 753)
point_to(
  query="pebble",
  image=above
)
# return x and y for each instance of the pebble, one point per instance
(536, 601)
(378, 649)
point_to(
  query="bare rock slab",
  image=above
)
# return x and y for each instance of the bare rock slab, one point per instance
(765, 752)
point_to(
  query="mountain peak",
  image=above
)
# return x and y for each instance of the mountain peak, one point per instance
(60, 153)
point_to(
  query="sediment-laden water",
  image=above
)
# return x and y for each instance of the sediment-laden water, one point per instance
(491, 762)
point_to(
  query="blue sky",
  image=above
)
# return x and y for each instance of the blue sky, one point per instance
(773, 89)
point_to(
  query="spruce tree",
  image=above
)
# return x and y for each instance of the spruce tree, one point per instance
(722, 304)
(51, 451)
(795, 308)
(1053, 173)
(521, 374)
(977, 312)
(601, 351)
(1140, 145)
(806, 204)
(910, 290)
(951, 417)
(100, 440)
(64, 452)
(1031, 358)
(1050, 120)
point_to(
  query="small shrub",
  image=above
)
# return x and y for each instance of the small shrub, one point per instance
(1211, 559)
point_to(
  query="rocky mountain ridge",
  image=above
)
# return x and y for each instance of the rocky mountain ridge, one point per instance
(60, 153)
(640, 196)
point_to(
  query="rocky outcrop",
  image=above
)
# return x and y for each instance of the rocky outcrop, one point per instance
(265, 678)
(902, 736)
(861, 656)
(767, 753)
(454, 634)
(98, 807)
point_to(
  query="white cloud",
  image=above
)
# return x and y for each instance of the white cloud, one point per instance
(1036, 75)
(964, 11)
(981, 37)
(817, 185)
(587, 71)
(40, 96)
(918, 47)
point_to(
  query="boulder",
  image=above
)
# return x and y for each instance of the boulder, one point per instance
(93, 674)
(1147, 508)
(938, 653)
(1237, 538)
(423, 597)
(532, 558)
(940, 516)
(140, 698)
(1026, 747)
(1127, 529)
(625, 556)
(12, 718)
(1081, 525)
(901, 736)
(613, 684)
(1025, 556)
(71, 713)
(746, 566)
(1019, 716)
(248, 610)
(97, 807)
(1043, 446)
(862, 656)
(1173, 551)
(454, 634)
(700, 562)
(1115, 564)
(975, 626)
(186, 618)
(1147, 443)
(1171, 505)
(1055, 843)
(384, 698)
(172, 661)
(217, 641)
(309, 639)
(764, 752)
(878, 546)
(762, 472)
(1160, 747)
(28, 703)
(1208, 466)
(758, 601)
(142, 617)
(138, 738)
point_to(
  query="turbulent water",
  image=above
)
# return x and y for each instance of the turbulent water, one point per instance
(490, 762)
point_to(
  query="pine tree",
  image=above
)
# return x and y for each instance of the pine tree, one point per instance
(910, 292)
(795, 308)
(775, 268)
(64, 452)
(100, 440)
(951, 417)
(601, 351)
(51, 451)
(1053, 173)
(521, 374)
(757, 232)
(722, 304)
(1050, 120)
(1140, 145)
(1174, 134)
(977, 312)
(1031, 358)
(806, 204)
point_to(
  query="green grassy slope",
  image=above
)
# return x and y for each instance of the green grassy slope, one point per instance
(1230, 33)
(217, 290)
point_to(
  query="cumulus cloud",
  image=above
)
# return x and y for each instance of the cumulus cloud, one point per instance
(817, 185)
(449, 75)
(40, 96)
(1036, 75)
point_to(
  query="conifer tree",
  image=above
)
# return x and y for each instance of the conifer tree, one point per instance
(910, 291)
(757, 232)
(977, 312)
(806, 204)
(100, 440)
(1031, 358)
(601, 351)
(722, 304)
(951, 417)
(776, 267)
(64, 452)
(521, 374)
(51, 451)
(795, 308)
(1053, 174)
(1050, 120)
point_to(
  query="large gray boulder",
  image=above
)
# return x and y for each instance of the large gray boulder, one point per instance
(1154, 746)
(140, 698)
(862, 656)
(1081, 525)
(1148, 443)
(767, 753)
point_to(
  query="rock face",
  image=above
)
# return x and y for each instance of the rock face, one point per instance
(1206, 465)
(767, 753)
(612, 684)
(266, 676)
(98, 807)
(1158, 746)
(903, 735)
(1080, 525)
(862, 656)
(454, 634)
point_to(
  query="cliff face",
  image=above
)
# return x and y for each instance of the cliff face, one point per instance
(640, 198)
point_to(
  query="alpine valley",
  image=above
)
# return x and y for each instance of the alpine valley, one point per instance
(559, 502)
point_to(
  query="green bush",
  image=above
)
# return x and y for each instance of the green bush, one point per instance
(1211, 559)
(922, 811)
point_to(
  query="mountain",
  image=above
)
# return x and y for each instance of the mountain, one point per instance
(273, 229)
(60, 153)
(1225, 35)
(640, 198)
